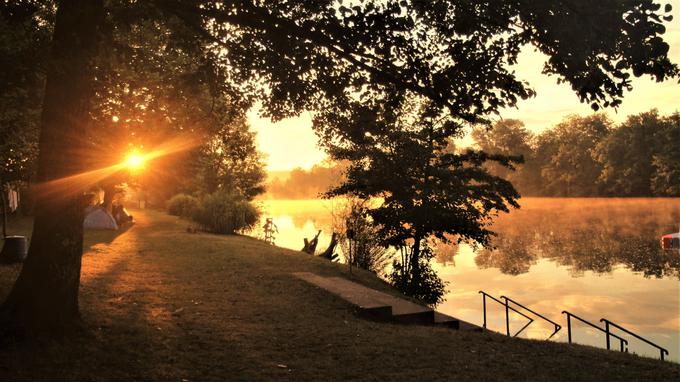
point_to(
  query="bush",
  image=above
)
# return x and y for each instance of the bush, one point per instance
(183, 205)
(424, 285)
(365, 249)
(226, 212)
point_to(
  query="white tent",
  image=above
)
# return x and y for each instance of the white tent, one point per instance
(97, 218)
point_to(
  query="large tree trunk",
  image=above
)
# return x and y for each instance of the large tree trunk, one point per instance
(44, 298)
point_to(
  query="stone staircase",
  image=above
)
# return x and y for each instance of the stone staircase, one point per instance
(374, 305)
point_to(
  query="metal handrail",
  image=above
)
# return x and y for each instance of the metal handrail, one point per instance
(608, 333)
(570, 315)
(557, 326)
(507, 319)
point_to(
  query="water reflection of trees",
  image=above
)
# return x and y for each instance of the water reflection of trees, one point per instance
(513, 256)
(597, 239)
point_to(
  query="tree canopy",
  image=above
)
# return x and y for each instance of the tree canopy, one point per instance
(457, 53)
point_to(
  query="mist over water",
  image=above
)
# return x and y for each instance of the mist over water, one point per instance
(595, 257)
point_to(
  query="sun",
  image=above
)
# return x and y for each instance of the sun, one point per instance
(134, 161)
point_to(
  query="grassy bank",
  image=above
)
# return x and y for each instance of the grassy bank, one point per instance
(166, 305)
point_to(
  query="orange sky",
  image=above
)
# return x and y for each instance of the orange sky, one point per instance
(291, 143)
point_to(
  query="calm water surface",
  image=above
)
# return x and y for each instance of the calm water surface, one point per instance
(593, 257)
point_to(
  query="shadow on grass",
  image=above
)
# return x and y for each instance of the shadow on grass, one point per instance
(23, 226)
(103, 236)
(140, 333)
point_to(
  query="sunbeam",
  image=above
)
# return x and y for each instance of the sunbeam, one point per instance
(134, 161)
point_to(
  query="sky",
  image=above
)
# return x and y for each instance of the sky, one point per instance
(292, 143)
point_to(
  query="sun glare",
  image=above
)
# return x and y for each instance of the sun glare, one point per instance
(134, 161)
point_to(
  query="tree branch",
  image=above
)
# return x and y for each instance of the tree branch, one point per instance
(258, 18)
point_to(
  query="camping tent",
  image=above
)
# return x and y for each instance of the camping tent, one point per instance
(96, 217)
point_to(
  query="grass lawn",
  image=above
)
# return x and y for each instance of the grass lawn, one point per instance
(166, 305)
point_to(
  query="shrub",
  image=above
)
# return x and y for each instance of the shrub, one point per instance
(183, 205)
(226, 212)
(420, 282)
(359, 237)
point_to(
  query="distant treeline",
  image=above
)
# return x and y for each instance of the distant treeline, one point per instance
(581, 156)
(591, 156)
(306, 184)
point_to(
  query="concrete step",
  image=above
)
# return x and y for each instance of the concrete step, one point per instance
(441, 319)
(371, 303)
(380, 306)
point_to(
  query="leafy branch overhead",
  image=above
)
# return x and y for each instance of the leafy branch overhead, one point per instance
(457, 53)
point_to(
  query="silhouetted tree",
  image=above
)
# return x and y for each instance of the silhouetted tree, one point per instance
(400, 158)
(230, 161)
(155, 82)
(45, 295)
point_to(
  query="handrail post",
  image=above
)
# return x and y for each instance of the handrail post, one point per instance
(623, 343)
(507, 318)
(508, 308)
(606, 331)
(569, 326)
(509, 300)
(484, 304)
